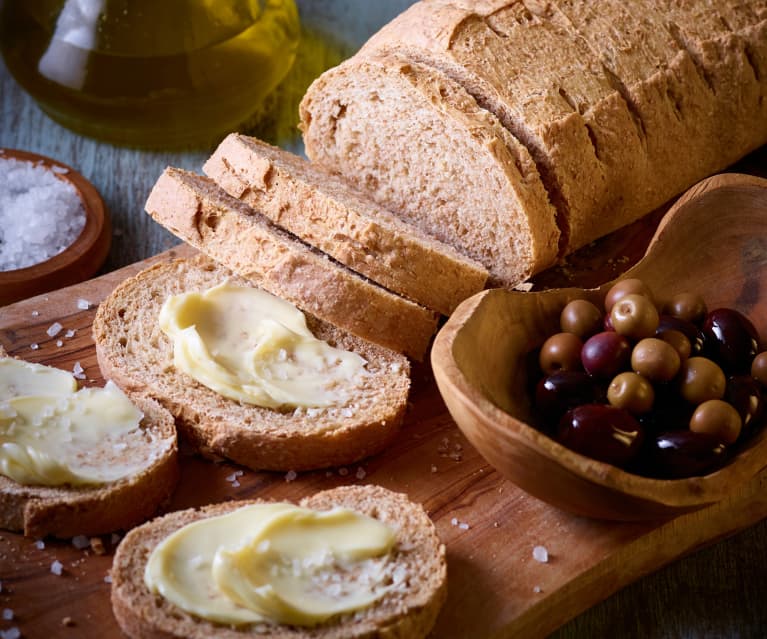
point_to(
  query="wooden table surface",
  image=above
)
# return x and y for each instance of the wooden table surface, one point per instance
(718, 592)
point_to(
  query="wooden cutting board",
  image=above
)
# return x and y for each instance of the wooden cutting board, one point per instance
(490, 527)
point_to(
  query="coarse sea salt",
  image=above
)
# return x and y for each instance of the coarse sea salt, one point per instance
(541, 554)
(40, 214)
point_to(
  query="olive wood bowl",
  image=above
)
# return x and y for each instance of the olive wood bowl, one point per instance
(80, 260)
(712, 241)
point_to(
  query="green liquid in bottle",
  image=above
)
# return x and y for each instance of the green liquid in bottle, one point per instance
(158, 73)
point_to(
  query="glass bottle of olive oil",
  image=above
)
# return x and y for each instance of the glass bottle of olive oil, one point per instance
(151, 73)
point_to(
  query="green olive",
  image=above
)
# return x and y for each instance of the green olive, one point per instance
(759, 368)
(718, 418)
(581, 318)
(626, 287)
(631, 392)
(655, 359)
(678, 340)
(634, 316)
(687, 306)
(561, 352)
(701, 380)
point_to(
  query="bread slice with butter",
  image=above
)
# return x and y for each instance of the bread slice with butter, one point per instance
(242, 239)
(91, 508)
(416, 573)
(134, 352)
(323, 210)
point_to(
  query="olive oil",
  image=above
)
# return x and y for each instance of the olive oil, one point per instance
(156, 73)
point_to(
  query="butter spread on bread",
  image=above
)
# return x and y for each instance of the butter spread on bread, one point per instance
(274, 562)
(253, 347)
(48, 428)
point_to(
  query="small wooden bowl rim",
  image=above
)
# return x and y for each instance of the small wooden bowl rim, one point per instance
(671, 495)
(79, 260)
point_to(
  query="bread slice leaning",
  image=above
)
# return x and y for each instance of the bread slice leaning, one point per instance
(323, 210)
(235, 235)
(133, 351)
(406, 612)
(66, 511)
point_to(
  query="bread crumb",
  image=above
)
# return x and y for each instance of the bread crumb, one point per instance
(496, 524)
(433, 468)
(291, 476)
(524, 287)
(54, 329)
(11, 633)
(343, 471)
(98, 546)
(541, 554)
(57, 568)
(81, 542)
(7, 614)
(83, 304)
(67, 622)
(40, 544)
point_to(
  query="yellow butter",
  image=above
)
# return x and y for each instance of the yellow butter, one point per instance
(274, 563)
(49, 430)
(253, 347)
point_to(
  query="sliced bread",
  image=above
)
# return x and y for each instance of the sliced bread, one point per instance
(324, 211)
(66, 511)
(198, 211)
(420, 145)
(133, 351)
(408, 611)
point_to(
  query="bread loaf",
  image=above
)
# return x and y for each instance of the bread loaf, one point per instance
(245, 241)
(325, 212)
(133, 351)
(620, 105)
(405, 612)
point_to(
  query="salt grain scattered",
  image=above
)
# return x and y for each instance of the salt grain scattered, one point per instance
(537, 589)
(59, 343)
(463, 526)
(108, 579)
(83, 304)
(57, 568)
(454, 521)
(11, 633)
(235, 484)
(34, 346)
(7, 614)
(114, 539)
(70, 333)
(61, 170)
(54, 329)
(291, 475)
(35, 313)
(80, 542)
(541, 554)
(40, 214)
(433, 468)
(343, 472)
(39, 544)
(78, 371)
(361, 473)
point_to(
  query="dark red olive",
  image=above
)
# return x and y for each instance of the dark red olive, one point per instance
(561, 391)
(730, 339)
(601, 432)
(683, 453)
(669, 411)
(745, 394)
(606, 354)
(668, 322)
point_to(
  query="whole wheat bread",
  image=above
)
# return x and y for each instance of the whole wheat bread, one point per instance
(66, 511)
(323, 210)
(419, 144)
(406, 612)
(133, 351)
(235, 235)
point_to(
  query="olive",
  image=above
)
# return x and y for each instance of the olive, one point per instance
(561, 352)
(684, 453)
(631, 392)
(580, 317)
(730, 339)
(759, 368)
(686, 306)
(655, 359)
(747, 397)
(700, 380)
(718, 418)
(678, 340)
(561, 391)
(626, 287)
(601, 432)
(692, 332)
(634, 316)
(605, 354)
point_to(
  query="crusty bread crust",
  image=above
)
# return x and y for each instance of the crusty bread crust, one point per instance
(409, 613)
(325, 211)
(138, 356)
(198, 211)
(93, 510)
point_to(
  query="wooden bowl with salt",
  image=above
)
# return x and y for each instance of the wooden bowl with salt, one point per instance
(81, 259)
(713, 241)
